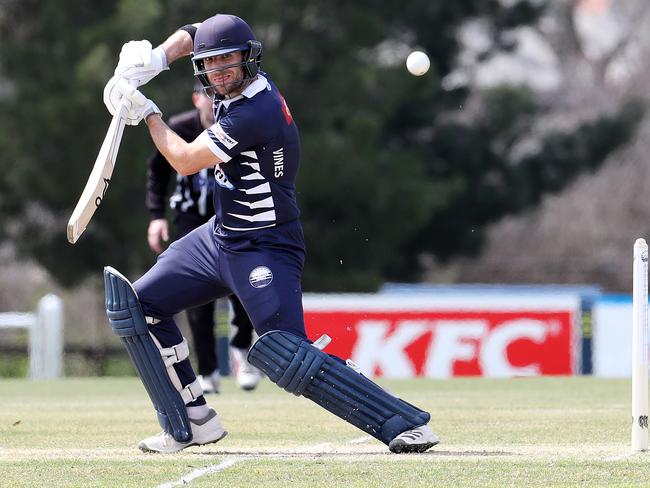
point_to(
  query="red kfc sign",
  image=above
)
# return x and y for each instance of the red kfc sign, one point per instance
(445, 343)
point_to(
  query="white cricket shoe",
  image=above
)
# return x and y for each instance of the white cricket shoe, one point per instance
(210, 383)
(248, 376)
(415, 440)
(204, 431)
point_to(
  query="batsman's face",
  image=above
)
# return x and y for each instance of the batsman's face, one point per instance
(225, 72)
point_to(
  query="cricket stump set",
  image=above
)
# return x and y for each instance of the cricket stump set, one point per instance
(640, 347)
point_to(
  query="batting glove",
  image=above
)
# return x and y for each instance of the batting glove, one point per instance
(138, 64)
(138, 106)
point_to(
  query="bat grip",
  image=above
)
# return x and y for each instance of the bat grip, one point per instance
(121, 107)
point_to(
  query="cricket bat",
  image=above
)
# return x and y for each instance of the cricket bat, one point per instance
(99, 179)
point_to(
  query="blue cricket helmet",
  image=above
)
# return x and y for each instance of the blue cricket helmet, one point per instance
(223, 34)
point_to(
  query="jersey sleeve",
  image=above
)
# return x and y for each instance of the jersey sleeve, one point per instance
(234, 133)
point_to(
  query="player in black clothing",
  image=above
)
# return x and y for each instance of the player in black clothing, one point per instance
(193, 206)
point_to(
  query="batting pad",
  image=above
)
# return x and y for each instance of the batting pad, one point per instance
(300, 368)
(129, 323)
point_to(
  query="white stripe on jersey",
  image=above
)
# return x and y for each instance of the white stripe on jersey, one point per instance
(263, 188)
(253, 176)
(255, 166)
(245, 229)
(249, 154)
(266, 203)
(268, 216)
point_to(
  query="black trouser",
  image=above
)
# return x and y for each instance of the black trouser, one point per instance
(243, 338)
(201, 318)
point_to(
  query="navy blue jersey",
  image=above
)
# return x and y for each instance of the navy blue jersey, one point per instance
(256, 138)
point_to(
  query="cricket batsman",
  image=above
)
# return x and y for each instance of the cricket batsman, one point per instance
(253, 247)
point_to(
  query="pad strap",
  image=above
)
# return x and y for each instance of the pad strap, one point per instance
(191, 392)
(171, 356)
(175, 354)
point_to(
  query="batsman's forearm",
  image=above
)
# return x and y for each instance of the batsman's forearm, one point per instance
(170, 144)
(178, 45)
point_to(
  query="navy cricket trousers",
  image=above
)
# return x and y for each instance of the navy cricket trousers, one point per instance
(263, 268)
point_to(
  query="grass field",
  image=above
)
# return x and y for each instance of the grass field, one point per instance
(520, 432)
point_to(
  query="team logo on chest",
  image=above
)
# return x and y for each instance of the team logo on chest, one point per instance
(260, 277)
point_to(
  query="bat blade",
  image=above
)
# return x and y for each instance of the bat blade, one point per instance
(99, 179)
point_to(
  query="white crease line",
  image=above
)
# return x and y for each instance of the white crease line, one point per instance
(360, 440)
(201, 472)
(621, 457)
(318, 447)
(197, 473)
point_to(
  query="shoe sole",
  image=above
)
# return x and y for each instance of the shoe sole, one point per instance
(144, 448)
(401, 447)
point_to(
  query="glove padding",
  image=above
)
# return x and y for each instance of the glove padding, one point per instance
(138, 106)
(138, 64)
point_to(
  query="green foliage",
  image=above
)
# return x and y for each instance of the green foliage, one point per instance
(388, 172)
(563, 156)
(477, 161)
(14, 365)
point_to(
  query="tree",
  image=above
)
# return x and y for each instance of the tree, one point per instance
(390, 169)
